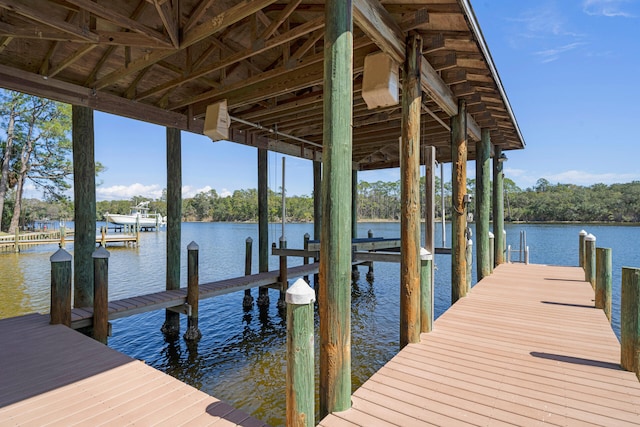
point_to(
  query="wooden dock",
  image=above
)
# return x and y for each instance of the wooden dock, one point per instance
(81, 317)
(56, 376)
(525, 347)
(8, 242)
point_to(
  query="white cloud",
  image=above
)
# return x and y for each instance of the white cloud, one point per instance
(225, 193)
(549, 55)
(125, 192)
(607, 8)
(588, 178)
(188, 191)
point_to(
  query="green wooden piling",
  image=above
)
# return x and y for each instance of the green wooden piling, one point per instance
(498, 207)
(590, 260)
(60, 311)
(630, 320)
(603, 280)
(171, 325)
(426, 291)
(317, 209)
(483, 204)
(334, 302)
(101, 294)
(492, 254)
(469, 259)
(459, 211)
(263, 223)
(355, 273)
(193, 293)
(581, 237)
(63, 235)
(300, 387)
(84, 198)
(247, 301)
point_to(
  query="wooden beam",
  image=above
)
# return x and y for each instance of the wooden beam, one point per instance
(459, 212)
(71, 59)
(168, 17)
(437, 89)
(379, 25)
(275, 24)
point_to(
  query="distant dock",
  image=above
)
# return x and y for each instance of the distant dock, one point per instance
(14, 242)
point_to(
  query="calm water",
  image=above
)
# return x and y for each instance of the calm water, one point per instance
(241, 357)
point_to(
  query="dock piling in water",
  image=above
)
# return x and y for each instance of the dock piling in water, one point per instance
(60, 288)
(370, 276)
(581, 237)
(193, 291)
(426, 291)
(100, 294)
(603, 280)
(247, 301)
(590, 259)
(284, 281)
(630, 320)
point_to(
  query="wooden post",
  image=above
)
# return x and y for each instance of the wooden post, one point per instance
(469, 260)
(103, 236)
(63, 234)
(100, 294)
(284, 280)
(370, 276)
(317, 209)
(483, 204)
(263, 223)
(335, 259)
(430, 210)
(603, 280)
(84, 198)
(590, 260)
(171, 325)
(498, 207)
(355, 273)
(581, 237)
(305, 260)
(247, 301)
(630, 320)
(16, 240)
(193, 293)
(410, 194)
(60, 312)
(492, 252)
(300, 379)
(459, 196)
(426, 291)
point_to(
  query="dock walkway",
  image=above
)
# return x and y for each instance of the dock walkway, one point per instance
(525, 347)
(53, 375)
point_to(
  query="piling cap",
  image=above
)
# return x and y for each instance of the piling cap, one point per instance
(60, 256)
(425, 255)
(100, 253)
(470, 242)
(590, 238)
(249, 240)
(491, 236)
(193, 246)
(300, 293)
(582, 233)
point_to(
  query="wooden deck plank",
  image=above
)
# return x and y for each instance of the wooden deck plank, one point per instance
(53, 375)
(526, 347)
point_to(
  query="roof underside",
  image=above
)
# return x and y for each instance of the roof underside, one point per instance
(165, 61)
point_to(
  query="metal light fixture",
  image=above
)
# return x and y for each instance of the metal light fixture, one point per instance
(502, 158)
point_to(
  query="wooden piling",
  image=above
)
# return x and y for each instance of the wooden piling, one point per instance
(247, 301)
(370, 275)
(84, 198)
(193, 293)
(317, 209)
(174, 219)
(459, 211)
(305, 260)
(335, 260)
(101, 294)
(355, 273)
(284, 280)
(300, 386)
(604, 280)
(630, 320)
(498, 207)
(60, 311)
(426, 291)
(483, 204)
(469, 260)
(581, 237)
(263, 223)
(16, 240)
(430, 208)
(492, 252)
(63, 235)
(590, 260)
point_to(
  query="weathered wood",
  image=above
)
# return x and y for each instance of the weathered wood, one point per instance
(284, 280)
(101, 294)
(247, 301)
(426, 291)
(581, 237)
(459, 212)
(317, 208)
(193, 293)
(603, 280)
(84, 197)
(60, 311)
(469, 261)
(410, 195)
(263, 222)
(590, 259)
(430, 206)
(630, 320)
(355, 274)
(498, 207)
(305, 246)
(334, 302)
(300, 381)
(483, 204)
(374, 20)
(492, 252)
(174, 220)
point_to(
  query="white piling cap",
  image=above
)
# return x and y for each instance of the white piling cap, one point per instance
(425, 255)
(60, 256)
(590, 237)
(582, 233)
(300, 293)
(470, 242)
(491, 236)
(100, 253)
(193, 246)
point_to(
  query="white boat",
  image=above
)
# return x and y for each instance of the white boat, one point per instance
(139, 215)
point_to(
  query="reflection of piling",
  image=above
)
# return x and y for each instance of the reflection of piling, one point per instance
(60, 288)
(100, 294)
(630, 320)
(193, 332)
(247, 301)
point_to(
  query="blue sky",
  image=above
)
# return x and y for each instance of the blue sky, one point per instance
(570, 71)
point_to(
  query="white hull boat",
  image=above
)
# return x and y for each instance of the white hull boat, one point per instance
(139, 216)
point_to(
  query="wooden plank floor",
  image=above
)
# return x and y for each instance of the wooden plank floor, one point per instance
(81, 317)
(526, 347)
(52, 375)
